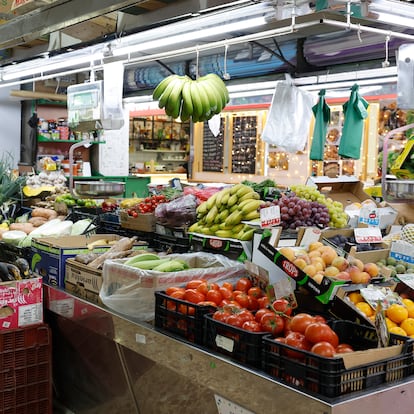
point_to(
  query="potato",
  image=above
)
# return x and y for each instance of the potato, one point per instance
(47, 213)
(38, 221)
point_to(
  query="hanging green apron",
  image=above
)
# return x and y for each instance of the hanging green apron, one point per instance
(322, 114)
(355, 111)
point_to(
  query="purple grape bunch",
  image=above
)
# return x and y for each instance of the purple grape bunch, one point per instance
(297, 212)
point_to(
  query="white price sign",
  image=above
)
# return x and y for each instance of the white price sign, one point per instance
(226, 406)
(270, 216)
(368, 235)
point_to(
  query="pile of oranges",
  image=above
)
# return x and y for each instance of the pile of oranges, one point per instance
(399, 317)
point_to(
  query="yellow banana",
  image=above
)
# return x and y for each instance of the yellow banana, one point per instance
(244, 190)
(252, 205)
(235, 188)
(202, 208)
(234, 218)
(226, 234)
(211, 215)
(252, 195)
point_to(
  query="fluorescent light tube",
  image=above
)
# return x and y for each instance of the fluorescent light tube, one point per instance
(190, 36)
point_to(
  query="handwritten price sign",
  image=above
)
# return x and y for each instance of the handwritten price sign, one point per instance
(269, 216)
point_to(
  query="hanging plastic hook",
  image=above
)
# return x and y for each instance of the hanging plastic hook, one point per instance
(359, 32)
(226, 75)
(197, 73)
(386, 62)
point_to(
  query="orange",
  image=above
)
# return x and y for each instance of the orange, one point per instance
(365, 308)
(397, 313)
(408, 326)
(410, 309)
(390, 323)
(407, 302)
(398, 331)
(355, 297)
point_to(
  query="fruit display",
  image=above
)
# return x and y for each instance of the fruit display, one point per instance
(222, 214)
(341, 241)
(296, 212)
(337, 216)
(396, 266)
(319, 261)
(147, 205)
(199, 99)
(399, 313)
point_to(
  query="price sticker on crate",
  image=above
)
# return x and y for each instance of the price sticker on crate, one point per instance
(269, 216)
(368, 235)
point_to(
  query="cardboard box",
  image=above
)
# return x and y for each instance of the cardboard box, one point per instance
(50, 254)
(21, 303)
(231, 248)
(346, 190)
(324, 291)
(143, 222)
(83, 280)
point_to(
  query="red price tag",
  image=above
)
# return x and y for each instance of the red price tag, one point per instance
(270, 216)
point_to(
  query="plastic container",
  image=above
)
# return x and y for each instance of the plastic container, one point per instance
(181, 318)
(238, 344)
(328, 376)
(26, 371)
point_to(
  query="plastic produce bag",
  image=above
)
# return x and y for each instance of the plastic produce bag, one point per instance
(130, 291)
(288, 121)
(322, 114)
(355, 111)
(178, 212)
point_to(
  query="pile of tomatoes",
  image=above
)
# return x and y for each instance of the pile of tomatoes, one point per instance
(248, 307)
(147, 205)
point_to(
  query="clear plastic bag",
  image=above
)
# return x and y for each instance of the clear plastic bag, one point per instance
(288, 121)
(178, 212)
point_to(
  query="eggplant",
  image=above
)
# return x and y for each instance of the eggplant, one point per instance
(5, 275)
(24, 267)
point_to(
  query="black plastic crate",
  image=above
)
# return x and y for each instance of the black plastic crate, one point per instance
(240, 345)
(329, 376)
(181, 318)
(172, 244)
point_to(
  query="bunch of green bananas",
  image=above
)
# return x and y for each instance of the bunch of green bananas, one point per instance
(199, 99)
(223, 213)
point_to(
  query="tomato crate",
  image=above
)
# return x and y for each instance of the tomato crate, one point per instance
(238, 344)
(181, 318)
(26, 371)
(366, 368)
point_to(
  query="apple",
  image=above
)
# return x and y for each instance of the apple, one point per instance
(340, 263)
(343, 276)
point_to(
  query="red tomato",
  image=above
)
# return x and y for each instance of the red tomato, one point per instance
(319, 318)
(226, 293)
(243, 284)
(186, 310)
(230, 305)
(282, 305)
(213, 286)
(214, 296)
(220, 315)
(246, 315)
(203, 288)
(228, 286)
(253, 303)
(242, 299)
(252, 326)
(172, 289)
(323, 348)
(191, 295)
(263, 302)
(258, 315)
(344, 348)
(273, 323)
(255, 291)
(193, 284)
(178, 294)
(235, 320)
(300, 322)
(297, 340)
(319, 332)
(207, 303)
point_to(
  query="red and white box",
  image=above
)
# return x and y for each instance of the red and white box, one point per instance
(21, 303)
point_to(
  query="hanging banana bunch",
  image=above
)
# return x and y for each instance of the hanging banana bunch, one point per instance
(199, 99)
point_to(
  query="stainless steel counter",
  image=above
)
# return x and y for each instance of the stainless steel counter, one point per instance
(107, 363)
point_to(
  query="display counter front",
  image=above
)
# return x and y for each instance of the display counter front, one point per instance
(104, 362)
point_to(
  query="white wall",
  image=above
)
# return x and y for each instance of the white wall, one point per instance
(10, 116)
